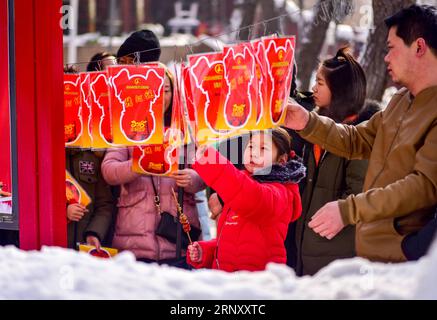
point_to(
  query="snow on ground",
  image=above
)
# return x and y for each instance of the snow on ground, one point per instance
(56, 273)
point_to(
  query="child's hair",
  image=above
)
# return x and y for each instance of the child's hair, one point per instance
(282, 141)
(95, 63)
(280, 138)
(70, 69)
(347, 82)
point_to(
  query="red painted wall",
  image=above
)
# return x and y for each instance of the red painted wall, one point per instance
(40, 145)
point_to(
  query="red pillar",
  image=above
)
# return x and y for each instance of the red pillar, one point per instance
(39, 112)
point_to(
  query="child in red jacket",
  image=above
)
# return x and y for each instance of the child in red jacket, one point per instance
(259, 203)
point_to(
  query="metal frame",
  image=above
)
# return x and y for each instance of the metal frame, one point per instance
(10, 222)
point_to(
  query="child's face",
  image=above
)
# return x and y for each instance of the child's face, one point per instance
(108, 61)
(321, 91)
(260, 152)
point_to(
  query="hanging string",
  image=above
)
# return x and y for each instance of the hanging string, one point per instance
(249, 34)
(200, 41)
(216, 37)
(137, 58)
(281, 26)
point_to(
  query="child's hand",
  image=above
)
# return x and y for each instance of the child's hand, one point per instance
(195, 252)
(214, 206)
(200, 152)
(93, 241)
(182, 177)
(76, 211)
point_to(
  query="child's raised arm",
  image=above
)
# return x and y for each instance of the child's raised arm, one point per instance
(243, 194)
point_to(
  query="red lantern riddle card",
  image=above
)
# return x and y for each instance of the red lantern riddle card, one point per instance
(137, 103)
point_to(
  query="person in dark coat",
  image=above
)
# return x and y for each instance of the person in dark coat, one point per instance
(89, 225)
(339, 93)
(92, 225)
(417, 244)
(305, 99)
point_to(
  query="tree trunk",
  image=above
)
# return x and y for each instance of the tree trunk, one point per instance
(313, 42)
(248, 10)
(373, 58)
(270, 11)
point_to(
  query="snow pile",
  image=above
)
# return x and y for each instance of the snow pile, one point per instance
(427, 276)
(56, 273)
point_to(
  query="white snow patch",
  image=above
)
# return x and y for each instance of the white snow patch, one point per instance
(56, 273)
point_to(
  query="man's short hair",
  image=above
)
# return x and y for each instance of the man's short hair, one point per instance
(416, 21)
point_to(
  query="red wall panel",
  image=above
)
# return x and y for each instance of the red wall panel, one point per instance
(39, 104)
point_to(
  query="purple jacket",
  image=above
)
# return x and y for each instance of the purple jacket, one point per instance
(137, 216)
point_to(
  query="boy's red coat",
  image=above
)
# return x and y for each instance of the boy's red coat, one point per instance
(254, 221)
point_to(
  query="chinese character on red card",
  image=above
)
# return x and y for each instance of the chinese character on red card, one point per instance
(136, 100)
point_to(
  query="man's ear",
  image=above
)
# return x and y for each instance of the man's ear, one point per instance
(420, 47)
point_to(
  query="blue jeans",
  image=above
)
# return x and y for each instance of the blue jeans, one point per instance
(202, 208)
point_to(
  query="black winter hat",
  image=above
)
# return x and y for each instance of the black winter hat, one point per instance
(138, 41)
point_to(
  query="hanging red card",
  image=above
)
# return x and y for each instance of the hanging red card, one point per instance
(74, 191)
(101, 115)
(239, 108)
(188, 107)
(280, 57)
(72, 109)
(162, 159)
(136, 102)
(264, 82)
(206, 80)
(158, 159)
(86, 113)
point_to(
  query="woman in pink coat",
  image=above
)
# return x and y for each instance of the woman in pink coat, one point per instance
(138, 216)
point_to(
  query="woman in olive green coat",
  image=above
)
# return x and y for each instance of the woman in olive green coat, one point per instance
(339, 93)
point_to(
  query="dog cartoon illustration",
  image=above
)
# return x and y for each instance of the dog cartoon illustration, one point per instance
(280, 54)
(239, 74)
(86, 109)
(159, 159)
(264, 81)
(207, 74)
(72, 109)
(138, 96)
(101, 114)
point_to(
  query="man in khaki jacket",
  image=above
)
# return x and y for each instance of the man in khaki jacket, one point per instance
(400, 188)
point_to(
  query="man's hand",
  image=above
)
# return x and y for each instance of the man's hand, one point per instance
(182, 177)
(93, 241)
(214, 206)
(297, 116)
(76, 211)
(327, 222)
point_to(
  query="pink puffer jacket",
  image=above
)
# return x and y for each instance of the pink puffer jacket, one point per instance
(137, 216)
